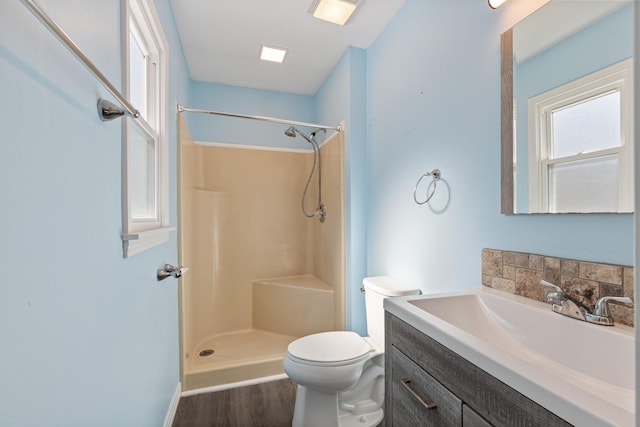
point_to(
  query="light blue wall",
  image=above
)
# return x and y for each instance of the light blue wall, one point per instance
(342, 97)
(248, 101)
(87, 337)
(434, 102)
(604, 43)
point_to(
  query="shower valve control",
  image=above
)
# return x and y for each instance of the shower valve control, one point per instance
(171, 271)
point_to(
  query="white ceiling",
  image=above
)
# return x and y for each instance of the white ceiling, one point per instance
(222, 39)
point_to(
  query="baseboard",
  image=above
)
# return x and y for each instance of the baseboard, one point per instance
(173, 406)
(222, 387)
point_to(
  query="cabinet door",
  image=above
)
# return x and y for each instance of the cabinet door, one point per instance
(418, 399)
(471, 419)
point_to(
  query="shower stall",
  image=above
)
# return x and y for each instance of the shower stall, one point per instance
(261, 272)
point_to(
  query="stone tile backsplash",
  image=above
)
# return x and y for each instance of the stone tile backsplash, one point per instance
(520, 273)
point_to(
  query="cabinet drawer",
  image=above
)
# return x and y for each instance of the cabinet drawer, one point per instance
(418, 399)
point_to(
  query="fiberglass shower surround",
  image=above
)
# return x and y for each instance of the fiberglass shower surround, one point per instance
(262, 274)
(320, 211)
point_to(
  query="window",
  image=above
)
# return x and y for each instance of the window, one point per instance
(145, 213)
(580, 144)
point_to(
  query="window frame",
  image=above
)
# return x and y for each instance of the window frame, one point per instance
(616, 77)
(140, 234)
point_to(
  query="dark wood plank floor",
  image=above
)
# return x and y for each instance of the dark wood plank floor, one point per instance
(261, 405)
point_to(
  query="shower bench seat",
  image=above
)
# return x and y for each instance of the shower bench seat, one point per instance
(293, 305)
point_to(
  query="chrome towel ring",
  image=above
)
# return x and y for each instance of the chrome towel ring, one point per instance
(435, 176)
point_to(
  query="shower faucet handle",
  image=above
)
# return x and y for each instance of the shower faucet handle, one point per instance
(179, 271)
(171, 271)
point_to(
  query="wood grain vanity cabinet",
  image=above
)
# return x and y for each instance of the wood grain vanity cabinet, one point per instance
(420, 372)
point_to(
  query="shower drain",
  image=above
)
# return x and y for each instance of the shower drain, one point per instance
(205, 353)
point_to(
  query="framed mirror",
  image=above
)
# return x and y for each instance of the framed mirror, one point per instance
(567, 109)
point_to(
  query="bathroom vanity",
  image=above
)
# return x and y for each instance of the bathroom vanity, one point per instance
(428, 384)
(483, 357)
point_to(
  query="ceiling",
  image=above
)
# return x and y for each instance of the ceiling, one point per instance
(222, 40)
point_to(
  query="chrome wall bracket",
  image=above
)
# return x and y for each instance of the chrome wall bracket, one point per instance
(107, 110)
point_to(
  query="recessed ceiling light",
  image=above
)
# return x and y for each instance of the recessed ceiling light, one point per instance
(273, 54)
(336, 11)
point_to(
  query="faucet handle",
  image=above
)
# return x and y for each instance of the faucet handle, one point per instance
(602, 306)
(552, 293)
(551, 285)
(171, 271)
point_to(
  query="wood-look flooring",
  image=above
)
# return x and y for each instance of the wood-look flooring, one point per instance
(262, 405)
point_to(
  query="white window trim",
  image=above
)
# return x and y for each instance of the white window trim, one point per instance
(618, 76)
(140, 236)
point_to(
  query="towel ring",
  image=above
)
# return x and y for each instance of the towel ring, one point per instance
(435, 175)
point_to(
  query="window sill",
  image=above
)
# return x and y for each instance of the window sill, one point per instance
(134, 243)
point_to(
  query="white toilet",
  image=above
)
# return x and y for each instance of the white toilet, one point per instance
(340, 375)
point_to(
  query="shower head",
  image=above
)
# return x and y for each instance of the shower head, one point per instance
(291, 132)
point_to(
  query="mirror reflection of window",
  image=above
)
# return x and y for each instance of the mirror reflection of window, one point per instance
(586, 126)
(582, 171)
(579, 39)
(580, 146)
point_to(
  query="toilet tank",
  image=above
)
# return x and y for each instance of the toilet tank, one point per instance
(376, 289)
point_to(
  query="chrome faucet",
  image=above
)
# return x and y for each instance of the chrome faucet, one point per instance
(560, 303)
(601, 314)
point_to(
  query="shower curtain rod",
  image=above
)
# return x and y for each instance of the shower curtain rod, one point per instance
(106, 109)
(181, 109)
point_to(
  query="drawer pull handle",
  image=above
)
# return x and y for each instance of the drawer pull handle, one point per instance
(406, 383)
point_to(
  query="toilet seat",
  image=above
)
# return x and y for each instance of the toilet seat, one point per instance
(335, 348)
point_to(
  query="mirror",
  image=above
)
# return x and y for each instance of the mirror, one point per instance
(567, 109)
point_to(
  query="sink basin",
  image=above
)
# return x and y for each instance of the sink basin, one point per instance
(582, 372)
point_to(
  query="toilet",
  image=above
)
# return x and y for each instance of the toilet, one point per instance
(340, 375)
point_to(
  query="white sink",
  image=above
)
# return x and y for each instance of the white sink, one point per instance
(582, 372)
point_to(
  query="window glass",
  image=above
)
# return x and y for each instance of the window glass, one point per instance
(588, 126)
(137, 75)
(584, 186)
(142, 173)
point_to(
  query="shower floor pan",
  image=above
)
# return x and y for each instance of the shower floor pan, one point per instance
(237, 356)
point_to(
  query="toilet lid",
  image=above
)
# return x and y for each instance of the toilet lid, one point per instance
(328, 347)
